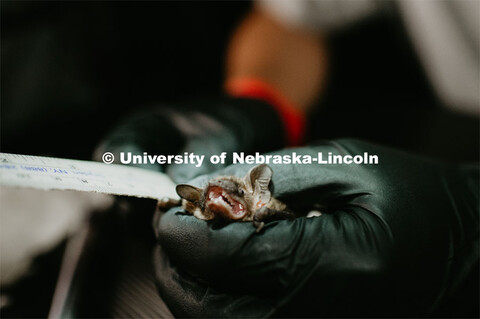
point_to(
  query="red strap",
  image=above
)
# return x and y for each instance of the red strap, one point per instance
(293, 119)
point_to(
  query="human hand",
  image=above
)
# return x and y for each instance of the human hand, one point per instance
(207, 127)
(399, 238)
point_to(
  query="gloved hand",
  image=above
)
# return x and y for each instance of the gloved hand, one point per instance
(207, 127)
(399, 238)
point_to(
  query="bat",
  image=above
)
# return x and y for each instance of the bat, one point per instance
(231, 198)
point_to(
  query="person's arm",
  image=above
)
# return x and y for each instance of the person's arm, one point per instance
(273, 75)
(293, 61)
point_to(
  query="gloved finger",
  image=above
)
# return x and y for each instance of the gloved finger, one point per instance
(295, 177)
(237, 258)
(150, 131)
(204, 149)
(334, 185)
(187, 297)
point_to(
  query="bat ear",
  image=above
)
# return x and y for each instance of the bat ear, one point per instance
(257, 181)
(190, 193)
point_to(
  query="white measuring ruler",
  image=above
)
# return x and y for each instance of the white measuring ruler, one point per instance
(65, 174)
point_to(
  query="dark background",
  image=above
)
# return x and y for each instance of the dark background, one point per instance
(71, 70)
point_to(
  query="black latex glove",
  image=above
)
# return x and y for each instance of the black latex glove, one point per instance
(207, 127)
(396, 239)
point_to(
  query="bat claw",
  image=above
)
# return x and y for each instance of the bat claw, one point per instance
(259, 226)
(166, 203)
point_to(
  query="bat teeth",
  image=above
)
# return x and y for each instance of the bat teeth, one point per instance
(240, 206)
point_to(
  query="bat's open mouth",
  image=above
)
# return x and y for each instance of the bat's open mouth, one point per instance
(219, 201)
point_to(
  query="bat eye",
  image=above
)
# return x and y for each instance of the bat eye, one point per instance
(240, 192)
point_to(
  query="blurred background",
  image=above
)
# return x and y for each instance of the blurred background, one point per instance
(70, 71)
